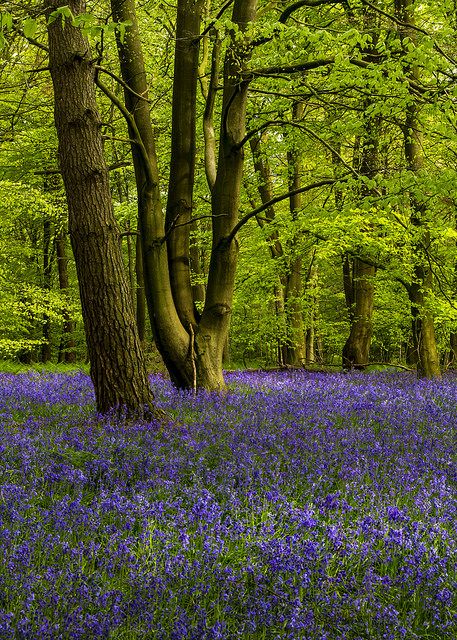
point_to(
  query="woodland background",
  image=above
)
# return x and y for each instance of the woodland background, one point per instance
(347, 196)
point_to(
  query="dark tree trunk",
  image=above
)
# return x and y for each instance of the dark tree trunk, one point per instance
(357, 347)
(67, 344)
(182, 163)
(117, 364)
(46, 352)
(453, 350)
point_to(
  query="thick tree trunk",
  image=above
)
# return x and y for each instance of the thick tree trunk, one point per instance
(424, 339)
(117, 364)
(67, 344)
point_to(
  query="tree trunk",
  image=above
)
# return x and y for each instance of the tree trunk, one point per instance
(117, 364)
(67, 344)
(174, 341)
(140, 295)
(357, 347)
(46, 352)
(296, 349)
(182, 162)
(453, 349)
(214, 324)
(192, 348)
(423, 325)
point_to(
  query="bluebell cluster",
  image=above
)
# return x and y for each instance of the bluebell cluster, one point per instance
(297, 505)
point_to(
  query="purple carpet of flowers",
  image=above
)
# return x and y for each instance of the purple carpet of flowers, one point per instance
(300, 505)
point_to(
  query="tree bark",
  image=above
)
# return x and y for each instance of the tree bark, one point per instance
(296, 349)
(182, 162)
(117, 364)
(172, 338)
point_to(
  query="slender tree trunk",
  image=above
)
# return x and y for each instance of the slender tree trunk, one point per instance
(296, 350)
(46, 352)
(182, 164)
(357, 347)
(67, 344)
(173, 340)
(419, 292)
(117, 364)
(214, 324)
(453, 349)
(140, 295)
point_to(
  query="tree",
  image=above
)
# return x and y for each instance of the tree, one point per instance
(191, 344)
(117, 364)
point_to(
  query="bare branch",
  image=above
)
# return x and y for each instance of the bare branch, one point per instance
(121, 82)
(266, 205)
(285, 15)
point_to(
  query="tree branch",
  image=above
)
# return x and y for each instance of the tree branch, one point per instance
(132, 124)
(285, 15)
(252, 214)
(121, 82)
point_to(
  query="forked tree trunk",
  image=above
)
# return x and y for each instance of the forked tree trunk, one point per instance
(424, 339)
(191, 347)
(117, 364)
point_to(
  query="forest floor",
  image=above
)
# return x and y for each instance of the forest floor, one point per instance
(299, 505)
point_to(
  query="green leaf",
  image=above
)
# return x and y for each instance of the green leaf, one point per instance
(29, 27)
(6, 20)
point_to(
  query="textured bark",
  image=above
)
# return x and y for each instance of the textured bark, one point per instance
(423, 324)
(67, 344)
(117, 364)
